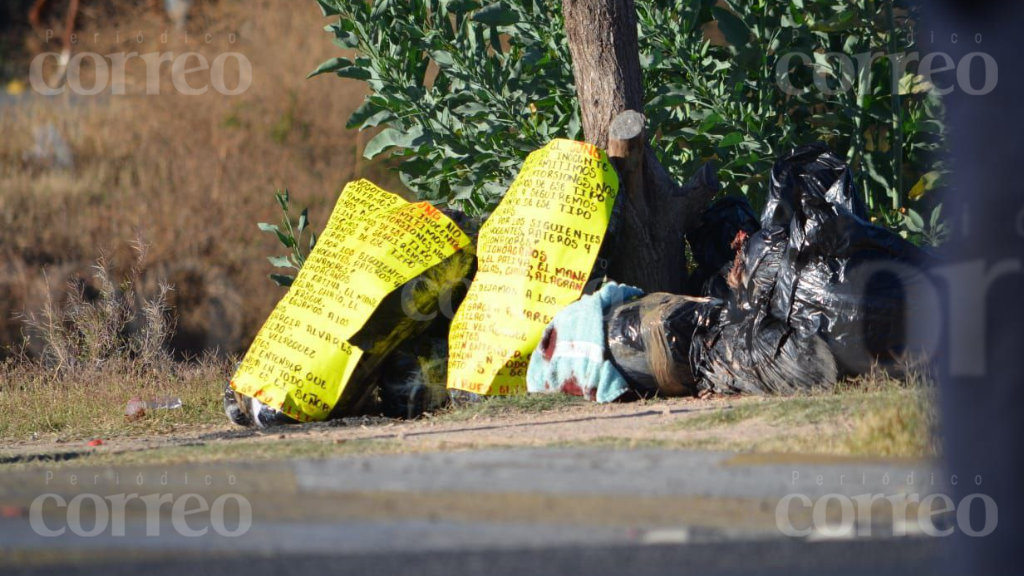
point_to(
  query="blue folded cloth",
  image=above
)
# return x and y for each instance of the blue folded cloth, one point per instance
(573, 356)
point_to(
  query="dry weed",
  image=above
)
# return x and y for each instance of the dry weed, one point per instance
(193, 173)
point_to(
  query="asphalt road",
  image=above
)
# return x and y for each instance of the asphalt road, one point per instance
(495, 511)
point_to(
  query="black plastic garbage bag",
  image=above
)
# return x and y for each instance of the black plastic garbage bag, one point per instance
(817, 276)
(712, 244)
(758, 354)
(842, 276)
(753, 276)
(649, 342)
(741, 347)
(807, 179)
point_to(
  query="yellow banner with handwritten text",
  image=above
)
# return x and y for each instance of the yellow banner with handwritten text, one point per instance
(535, 254)
(374, 242)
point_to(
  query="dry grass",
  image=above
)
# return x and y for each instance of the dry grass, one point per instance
(91, 403)
(891, 421)
(875, 415)
(192, 173)
(115, 323)
(97, 354)
(903, 427)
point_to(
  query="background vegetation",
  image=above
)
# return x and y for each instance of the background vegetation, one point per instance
(458, 91)
(467, 88)
(190, 174)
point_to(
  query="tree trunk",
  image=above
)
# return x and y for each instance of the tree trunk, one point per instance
(653, 212)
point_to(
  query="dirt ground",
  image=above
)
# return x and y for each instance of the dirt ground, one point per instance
(719, 423)
(574, 422)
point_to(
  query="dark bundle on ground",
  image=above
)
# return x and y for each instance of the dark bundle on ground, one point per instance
(815, 293)
(649, 341)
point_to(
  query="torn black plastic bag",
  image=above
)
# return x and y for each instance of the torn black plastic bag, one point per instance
(741, 347)
(817, 272)
(427, 300)
(754, 275)
(712, 244)
(842, 276)
(758, 354)
(649, 341)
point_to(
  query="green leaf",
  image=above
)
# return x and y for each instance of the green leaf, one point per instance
(837, 22)
(460, 6)
(710, 122)
(282, 279)
(280, 261)
(303, 220)
(829, 119)
(443, 58)
(391, 137)
(744, 160)
(472, 108)
(368, 115)
(380, 7)
(346, 40)
(913, 221)
(497, 14)
(326, 8)
(361, 114)
(332, 65)
(732, 139)
(354, 72)
(732, 26)
(312, 241)
(268, 227)
(672, 96)
(936, 218)
(285, 239)
(342, 67)
(461, 191)
(387, 138)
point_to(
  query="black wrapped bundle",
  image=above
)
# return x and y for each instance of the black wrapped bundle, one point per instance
(817, 292)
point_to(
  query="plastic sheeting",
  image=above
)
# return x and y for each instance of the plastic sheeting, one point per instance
(817, 292)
